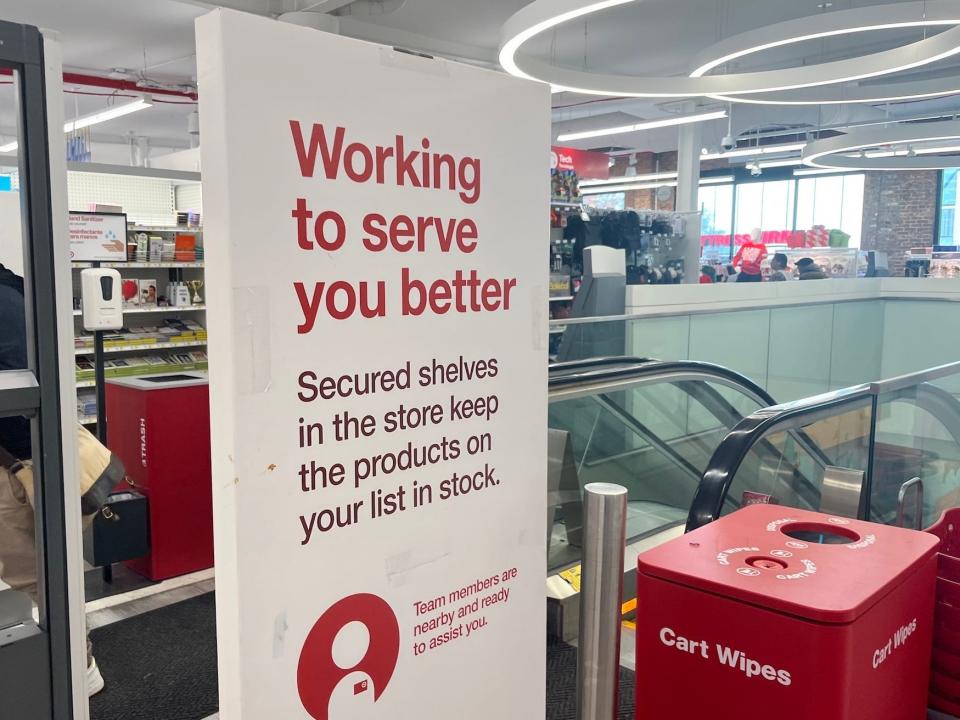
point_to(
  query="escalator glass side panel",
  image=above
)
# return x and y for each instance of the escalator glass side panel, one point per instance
(918, 436)
(788, 463)
(654, 438)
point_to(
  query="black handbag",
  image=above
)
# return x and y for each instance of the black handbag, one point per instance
(120, 530)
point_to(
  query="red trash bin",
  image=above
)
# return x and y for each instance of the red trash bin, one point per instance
(779, 613)
(160, 427)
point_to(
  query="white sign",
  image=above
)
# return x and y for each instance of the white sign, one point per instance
(375, 235)
(98, 236)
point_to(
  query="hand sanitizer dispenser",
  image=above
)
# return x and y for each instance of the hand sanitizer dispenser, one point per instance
(102, 299)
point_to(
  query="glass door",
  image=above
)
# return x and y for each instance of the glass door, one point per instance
(34, 628)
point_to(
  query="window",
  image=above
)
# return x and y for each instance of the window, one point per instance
(948, 208)
(606, 201)
(765, 205)
(716, 220)
(716, 202)
(835, 202)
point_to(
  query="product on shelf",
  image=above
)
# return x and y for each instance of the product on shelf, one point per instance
(156, 248)
(186, 248)
(148, 292)
(130, 289)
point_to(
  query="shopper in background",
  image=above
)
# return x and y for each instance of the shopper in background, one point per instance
(778, 267)
(708, 275)
(750, 257)
(809, 270)
(18, 552)
(732, 274)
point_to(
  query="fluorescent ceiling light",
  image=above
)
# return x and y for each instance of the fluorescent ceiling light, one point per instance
(901, 153)
(104, 115)
(602, 189)
(624, 179)
(792, 162)
(624, 188)
(827, 171)
(94, 119)
(935, 150)
(887, 148)
(649, 125)
(757, 150)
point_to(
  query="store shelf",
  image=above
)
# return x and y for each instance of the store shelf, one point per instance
(87, 419)
(133, 171)
(562, 298)
(86, 383)
(143, 346)
(164, 228)
(165, 309)
(562, 203)
(557, 330)
(132, 265)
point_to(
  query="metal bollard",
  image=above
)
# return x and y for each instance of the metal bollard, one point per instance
(601, 594)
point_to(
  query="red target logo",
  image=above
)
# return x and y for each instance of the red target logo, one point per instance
(319, 674)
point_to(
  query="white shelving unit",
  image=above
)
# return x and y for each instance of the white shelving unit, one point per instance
(144, 346)
(165, 309)
(142, 265)
(151, 198)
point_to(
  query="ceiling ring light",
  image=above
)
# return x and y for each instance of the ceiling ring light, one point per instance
(853, 94)
(933, 13)
(839, 153)
(543, 15)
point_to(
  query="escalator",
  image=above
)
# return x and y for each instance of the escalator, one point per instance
(693, 441)
(648, 425)
(861, 452)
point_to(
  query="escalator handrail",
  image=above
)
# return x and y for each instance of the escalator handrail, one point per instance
(730, 454)
(601, 370)
(913, 379)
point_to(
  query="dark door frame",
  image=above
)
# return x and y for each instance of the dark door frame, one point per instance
(35, 670)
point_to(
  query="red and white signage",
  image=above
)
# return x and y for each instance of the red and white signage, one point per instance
(98, 237)
(378, 377)
(588, 165)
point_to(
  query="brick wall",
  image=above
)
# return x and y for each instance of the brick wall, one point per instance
(647, 163)
(899, 212)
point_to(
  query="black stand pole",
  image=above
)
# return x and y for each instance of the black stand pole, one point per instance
(99, 377)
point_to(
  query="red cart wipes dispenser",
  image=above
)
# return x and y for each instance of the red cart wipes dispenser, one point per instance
(776, 612)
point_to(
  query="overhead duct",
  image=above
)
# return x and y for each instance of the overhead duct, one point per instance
(369, 8)
(315, 20)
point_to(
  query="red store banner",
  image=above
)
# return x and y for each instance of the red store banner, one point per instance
(587, 165)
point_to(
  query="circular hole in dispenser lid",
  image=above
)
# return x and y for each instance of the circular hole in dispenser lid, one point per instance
(820, 533)
(766, 563)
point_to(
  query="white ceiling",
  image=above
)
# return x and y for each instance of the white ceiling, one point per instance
(155, 38)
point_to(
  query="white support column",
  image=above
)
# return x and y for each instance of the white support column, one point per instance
(688, 189)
